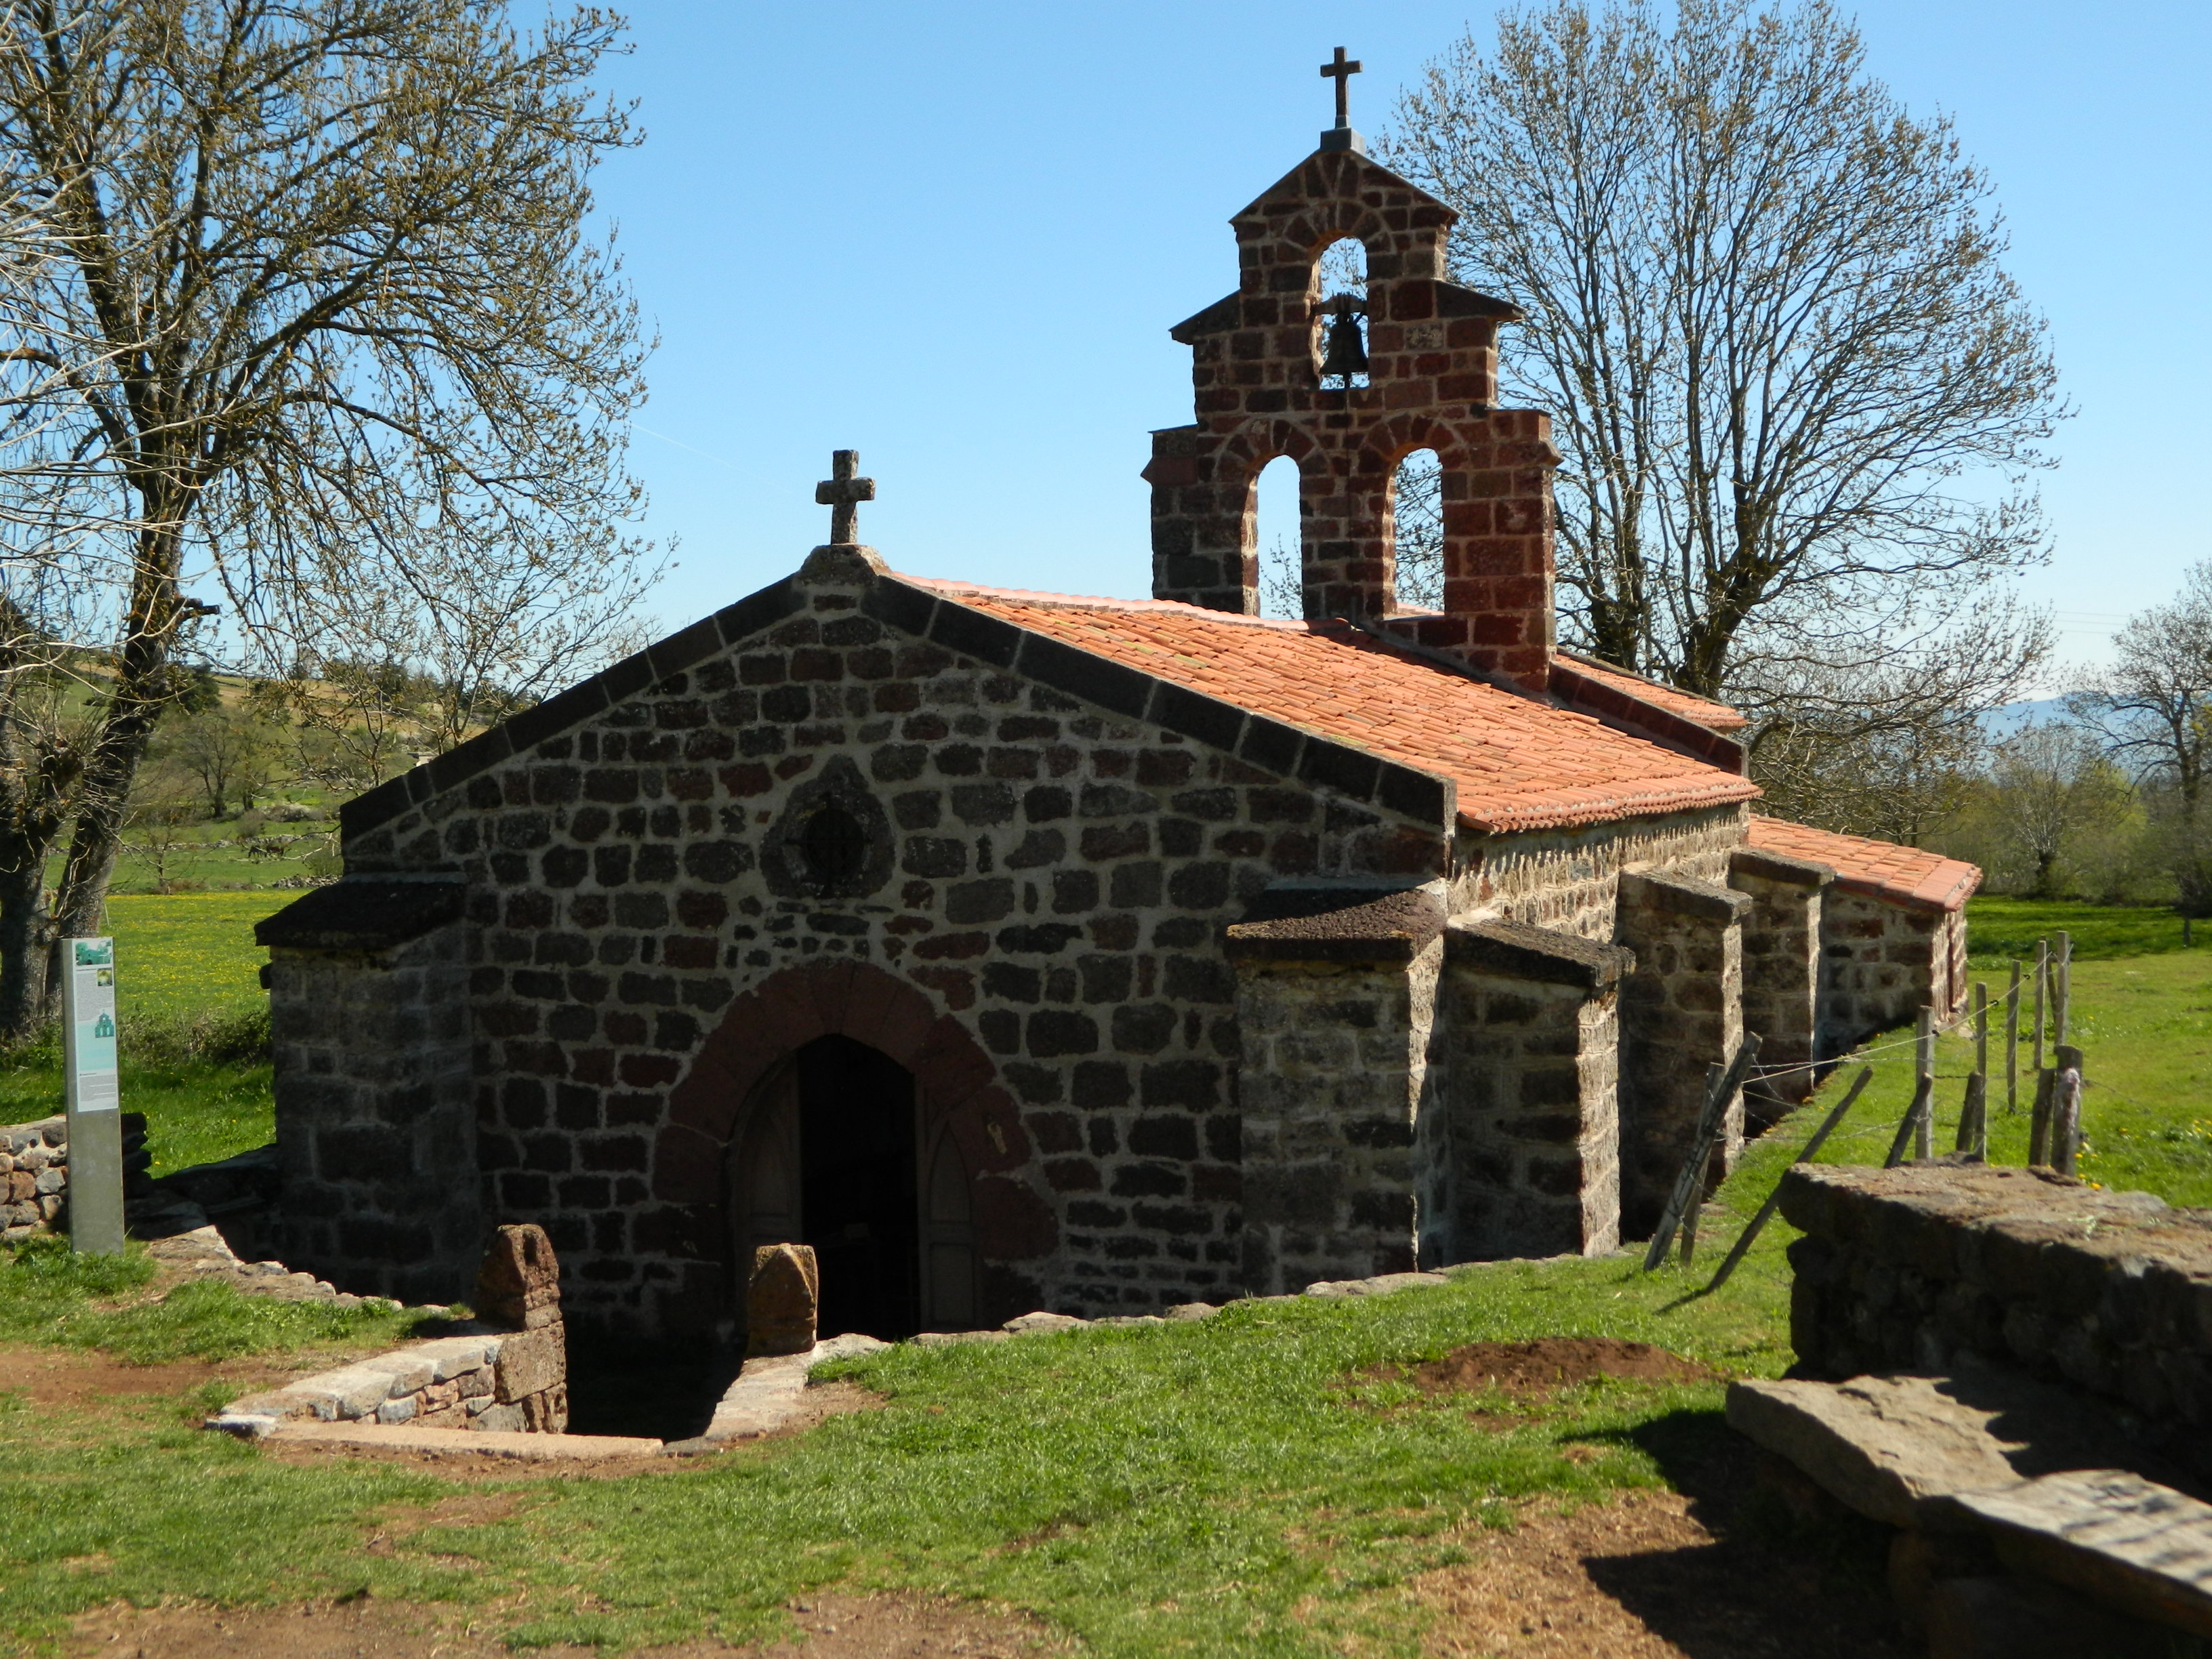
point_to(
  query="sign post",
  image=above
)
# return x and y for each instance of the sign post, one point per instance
(95, 1097)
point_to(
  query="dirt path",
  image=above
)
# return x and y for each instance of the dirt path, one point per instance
(834, 1626)
(1643, 1579)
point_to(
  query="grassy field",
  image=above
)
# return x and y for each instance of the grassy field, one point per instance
(1249, 1486)
(186, 971)
(1242, 1486)
(2000, 929)
(2144, 1025)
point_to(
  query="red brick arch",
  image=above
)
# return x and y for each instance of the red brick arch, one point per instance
(1390, 441)
(1258, 442)
(957, 1079)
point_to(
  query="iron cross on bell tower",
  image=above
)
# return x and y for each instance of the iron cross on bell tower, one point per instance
(842, 492)
(1340, 70)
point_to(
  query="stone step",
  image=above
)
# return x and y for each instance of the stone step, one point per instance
(2129, 1542)
(465, 1443)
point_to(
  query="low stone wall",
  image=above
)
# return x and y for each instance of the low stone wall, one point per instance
(1931, 1266)
(34, 1165)
(505, 1380)
(34, 1162)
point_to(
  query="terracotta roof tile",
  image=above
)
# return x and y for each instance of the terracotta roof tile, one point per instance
(1518, 764)
(1903, 875)
(1714, 716)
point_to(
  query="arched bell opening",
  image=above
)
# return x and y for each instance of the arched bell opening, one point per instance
(832, 1151)
(1337, 305)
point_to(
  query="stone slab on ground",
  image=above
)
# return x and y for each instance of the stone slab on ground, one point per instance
(1894, 1447)
(769, 1392)
(482, 1442)
(1381, 1285)
(2130, 1543)
(1882, 1445)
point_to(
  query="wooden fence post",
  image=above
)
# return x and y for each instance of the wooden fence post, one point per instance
(2042, 980)
(2062, 987)
(1913, 1129)
(2066, 1109)
(2012, 1042)
(1689, 1185)
(1923, 1088)
(2038, 1123)
(1973, 1111)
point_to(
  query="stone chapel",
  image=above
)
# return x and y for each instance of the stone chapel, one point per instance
(1018, 949)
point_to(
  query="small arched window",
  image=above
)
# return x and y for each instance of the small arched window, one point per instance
(1417, 530)
(1279, 537)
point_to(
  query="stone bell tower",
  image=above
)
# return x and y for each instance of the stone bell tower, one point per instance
(1430, 346)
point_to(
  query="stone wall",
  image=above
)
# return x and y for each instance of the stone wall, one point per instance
(35, 1163)
(484, 1377)
(513, 1381)
(374, 1101)
(1568, 880)
(1781, 973)
(1882, 962)
(1054, 878)
(1682, 1012)
(34, 1168)
(1931, 1265)
(1335, 1013)
(1530, 1031)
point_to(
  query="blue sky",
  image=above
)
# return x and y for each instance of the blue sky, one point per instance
(953, 236)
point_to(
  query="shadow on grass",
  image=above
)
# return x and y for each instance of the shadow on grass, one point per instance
(1786, 1573)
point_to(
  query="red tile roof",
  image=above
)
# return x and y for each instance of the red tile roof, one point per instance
(1714, 716)
(1903, 875)
(1519, 764)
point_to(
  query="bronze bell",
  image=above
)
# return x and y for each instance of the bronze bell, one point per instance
(1347, 352)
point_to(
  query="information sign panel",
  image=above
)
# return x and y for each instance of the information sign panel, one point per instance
(94, 1096)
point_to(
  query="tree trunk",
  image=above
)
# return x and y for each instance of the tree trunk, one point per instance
(23, 946)
(99, 835)
(141, 690)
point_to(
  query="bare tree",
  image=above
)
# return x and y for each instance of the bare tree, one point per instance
(2052, 788)
(229, 752)
(314, 297)
(2152, 709)
(1892, 746)
(505, 624)
(2152, 705)
(1786, 369)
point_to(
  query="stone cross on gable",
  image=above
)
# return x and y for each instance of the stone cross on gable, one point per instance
(842, 493)
(1340, 70)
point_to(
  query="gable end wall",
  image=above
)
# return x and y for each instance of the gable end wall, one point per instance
(1061, 877)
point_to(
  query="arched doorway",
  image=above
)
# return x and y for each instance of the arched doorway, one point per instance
(829, 1154)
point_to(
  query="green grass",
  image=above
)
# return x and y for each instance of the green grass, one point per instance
(1999, 929)
(2144, 1025)
(52, 1296)
(179, 956)
(1235, 1487)
(187, 995)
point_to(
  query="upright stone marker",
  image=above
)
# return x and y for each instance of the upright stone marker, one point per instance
(94, 1096)
(781, 1300)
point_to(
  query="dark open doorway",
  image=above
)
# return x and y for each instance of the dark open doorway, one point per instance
(858, 1188)
(830, 1152)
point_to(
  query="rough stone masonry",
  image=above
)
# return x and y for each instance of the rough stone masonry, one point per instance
(1012, 950)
